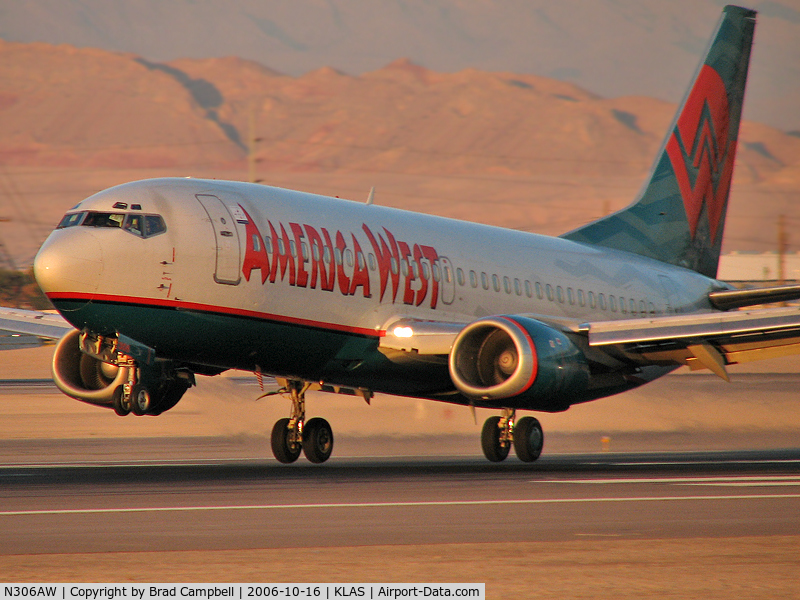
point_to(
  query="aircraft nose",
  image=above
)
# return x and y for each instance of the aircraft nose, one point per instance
(70, 261)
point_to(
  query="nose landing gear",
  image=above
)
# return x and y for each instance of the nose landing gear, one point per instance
(290, 436)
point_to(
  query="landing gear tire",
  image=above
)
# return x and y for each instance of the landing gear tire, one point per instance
(317, 440)
(493, 447)
(284, 449)
(528, 439)
(141, 400)
(121, 406)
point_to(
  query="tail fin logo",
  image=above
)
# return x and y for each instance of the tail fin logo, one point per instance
(701, 153)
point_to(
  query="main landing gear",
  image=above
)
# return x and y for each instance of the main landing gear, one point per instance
(499, 433)
(290, 436)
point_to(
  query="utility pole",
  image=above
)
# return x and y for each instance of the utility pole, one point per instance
(252, 140)
(783, 247)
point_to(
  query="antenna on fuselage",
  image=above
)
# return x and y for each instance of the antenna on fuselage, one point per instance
(371, 196)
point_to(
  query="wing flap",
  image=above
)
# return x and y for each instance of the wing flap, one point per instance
(704, 341)
(694, 326)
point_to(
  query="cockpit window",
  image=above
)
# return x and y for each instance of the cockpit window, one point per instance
(135, 223)
(103, 219)
(144, 225)
(70, 220)
(153, 225)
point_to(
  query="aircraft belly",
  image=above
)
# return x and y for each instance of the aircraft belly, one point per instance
(197, 335)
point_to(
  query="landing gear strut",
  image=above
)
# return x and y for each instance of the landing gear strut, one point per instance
(290, 436)
(499, 433)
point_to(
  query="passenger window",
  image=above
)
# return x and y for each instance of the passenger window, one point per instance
(539, 294)
(293, 250)
(622, 307)
(360, 259)
(517, 287)
(496, 282)
(404, 267)
(336, 253)
(528, 290)
(460, 275)
(507, 284)
(642, 306)
(602, 300)
(560, 294)
(304, 250)
(633, 306)
(550, 295)
(485, 280)
(393, 263)
(592, 301)
(473, 279)
(315, 252)
(372, 263)
(426, 270)
(570, 296)
(581, 298)
(348, 256)
(256, 243)
(437, 273)
(612, 302)
(268, 244)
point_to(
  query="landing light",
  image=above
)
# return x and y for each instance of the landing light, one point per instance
(403, 332)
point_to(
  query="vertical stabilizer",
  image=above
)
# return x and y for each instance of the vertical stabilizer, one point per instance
(679, 215)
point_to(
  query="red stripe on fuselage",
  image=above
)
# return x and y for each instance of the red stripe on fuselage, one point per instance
(210, 308)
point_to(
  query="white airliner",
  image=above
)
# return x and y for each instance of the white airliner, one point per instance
(167, 278)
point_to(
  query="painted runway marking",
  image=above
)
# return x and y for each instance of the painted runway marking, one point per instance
(680, 463)
(412, 504)
(741, 481)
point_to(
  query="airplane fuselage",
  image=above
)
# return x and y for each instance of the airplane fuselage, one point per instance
(303, 286)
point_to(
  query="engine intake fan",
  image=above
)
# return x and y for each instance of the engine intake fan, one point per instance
(512, 357)
(85, 377)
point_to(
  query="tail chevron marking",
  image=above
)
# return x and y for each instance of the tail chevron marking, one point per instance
(701, 153)
(679, 216)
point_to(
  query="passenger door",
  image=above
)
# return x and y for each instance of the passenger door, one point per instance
(226, 236)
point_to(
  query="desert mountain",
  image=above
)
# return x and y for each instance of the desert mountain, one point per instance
(612, 47)
(514, 150)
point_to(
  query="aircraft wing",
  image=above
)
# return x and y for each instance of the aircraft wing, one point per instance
(28, 328)
(423, 337)
(700, 341)
(706, 340)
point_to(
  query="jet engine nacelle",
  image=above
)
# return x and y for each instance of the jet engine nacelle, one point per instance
(520, 361)
(84, 377)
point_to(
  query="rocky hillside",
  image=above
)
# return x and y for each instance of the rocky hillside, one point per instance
(514, 150)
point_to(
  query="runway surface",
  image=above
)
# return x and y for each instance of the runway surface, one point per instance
(177, 503)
